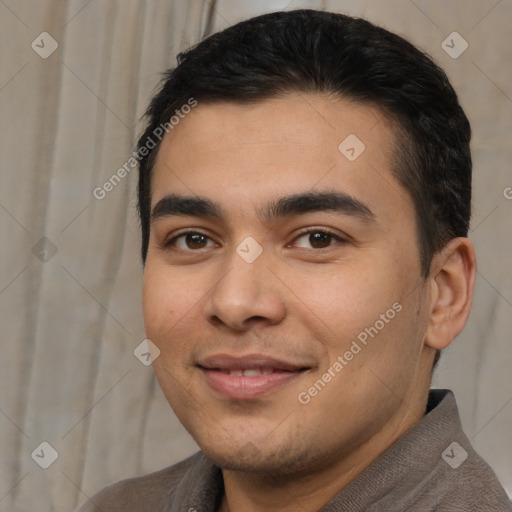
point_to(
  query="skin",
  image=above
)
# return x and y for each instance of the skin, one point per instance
(299, 299)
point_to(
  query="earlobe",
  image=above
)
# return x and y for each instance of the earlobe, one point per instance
(453, 273)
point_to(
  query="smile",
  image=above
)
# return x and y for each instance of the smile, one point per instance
(249, 372)
(250, 377)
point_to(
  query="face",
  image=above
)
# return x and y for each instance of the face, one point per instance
(282, 284)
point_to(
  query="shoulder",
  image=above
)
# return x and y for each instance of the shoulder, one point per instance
(460, 478)
(472, 486)
(149, 492)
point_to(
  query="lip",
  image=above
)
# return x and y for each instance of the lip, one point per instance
(244, 388)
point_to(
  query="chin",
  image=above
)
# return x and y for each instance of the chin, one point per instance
(268, 461)
(242, 460)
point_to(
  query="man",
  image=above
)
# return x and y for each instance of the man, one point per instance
(304, 238)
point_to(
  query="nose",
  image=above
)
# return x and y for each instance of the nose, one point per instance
(247, 295)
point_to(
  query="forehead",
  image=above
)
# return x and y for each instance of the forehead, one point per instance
(250, 153)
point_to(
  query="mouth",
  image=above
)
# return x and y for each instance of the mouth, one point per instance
(248, 372)
(249, 377)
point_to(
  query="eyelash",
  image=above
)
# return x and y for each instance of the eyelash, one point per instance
(306, 231)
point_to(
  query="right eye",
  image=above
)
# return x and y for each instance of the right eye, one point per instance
(190, 241)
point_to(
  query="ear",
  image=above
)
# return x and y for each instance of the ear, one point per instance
(452, 281)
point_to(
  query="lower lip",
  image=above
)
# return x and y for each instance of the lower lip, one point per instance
(244, 388)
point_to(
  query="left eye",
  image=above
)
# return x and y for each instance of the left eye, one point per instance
(316, 239)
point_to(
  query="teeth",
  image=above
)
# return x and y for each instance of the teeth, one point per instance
(251, 372)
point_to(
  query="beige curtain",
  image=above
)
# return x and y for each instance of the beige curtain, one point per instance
(76, 76)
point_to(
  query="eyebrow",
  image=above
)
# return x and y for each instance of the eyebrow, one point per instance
(295, 204)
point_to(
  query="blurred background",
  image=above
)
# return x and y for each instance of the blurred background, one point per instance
(78, 409)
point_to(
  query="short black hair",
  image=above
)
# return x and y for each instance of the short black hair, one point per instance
(309, 51)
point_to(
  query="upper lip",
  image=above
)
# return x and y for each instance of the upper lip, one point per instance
(231, 362)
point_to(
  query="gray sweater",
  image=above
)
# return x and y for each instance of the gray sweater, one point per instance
(431, 468)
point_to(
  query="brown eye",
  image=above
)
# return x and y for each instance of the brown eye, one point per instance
(316, 239)
(320, 240)
(196, 241)
(190, 241)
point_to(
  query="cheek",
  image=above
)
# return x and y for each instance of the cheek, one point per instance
(167, 300)
(370, 305)
(168, 304)
(344, 299)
